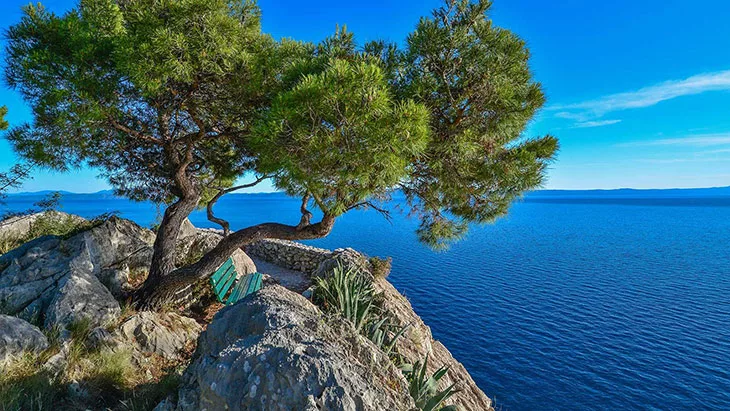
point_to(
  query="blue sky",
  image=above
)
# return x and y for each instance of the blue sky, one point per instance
(638, 91)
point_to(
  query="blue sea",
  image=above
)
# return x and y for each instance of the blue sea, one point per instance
(575, 301)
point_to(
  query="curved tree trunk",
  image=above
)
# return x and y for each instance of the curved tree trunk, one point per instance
(165, 246)
(162, 289)
(163, 257)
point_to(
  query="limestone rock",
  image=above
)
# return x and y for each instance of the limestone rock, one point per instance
(165, 405)
(58, 279)
(193, 242)
(243, 263)
(162, 333)
(348, 258)
(81, 295)
(100, 337)
(273, 351)
(17, 336)
(187, 229)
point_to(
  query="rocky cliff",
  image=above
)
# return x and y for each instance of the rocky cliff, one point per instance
(274, 350)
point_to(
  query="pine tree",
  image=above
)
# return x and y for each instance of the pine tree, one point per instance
(175, 100)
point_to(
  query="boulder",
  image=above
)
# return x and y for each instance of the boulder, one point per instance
(243, 263)
(18, 336)
(60, 280)
(187, 229)
(162, 333)
(80, 295)
(348, 258)
(192, 243)
(274, 351)
(117, 247)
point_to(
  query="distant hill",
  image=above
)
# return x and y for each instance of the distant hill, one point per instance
(40, 193)
(619, 193)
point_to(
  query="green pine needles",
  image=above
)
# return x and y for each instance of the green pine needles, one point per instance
(175, 101)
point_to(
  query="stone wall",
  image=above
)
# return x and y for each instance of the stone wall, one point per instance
(289, 254)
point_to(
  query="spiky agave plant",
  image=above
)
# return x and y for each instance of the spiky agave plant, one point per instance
(347, 292)
(424, 388)
(384, 333)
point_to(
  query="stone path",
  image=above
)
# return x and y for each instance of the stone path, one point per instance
(294, 280)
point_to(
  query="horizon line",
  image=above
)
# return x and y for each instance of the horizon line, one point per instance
(538, 190)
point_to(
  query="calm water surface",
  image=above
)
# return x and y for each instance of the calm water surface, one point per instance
(570, 303)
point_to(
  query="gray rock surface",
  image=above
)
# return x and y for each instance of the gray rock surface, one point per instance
(193, 243)
(273, 351)
(291, 279)
(18, 336)
(57, 280)
(418, 339)
(81, 295)
(348, 259)
(243, 263)
(161, 333)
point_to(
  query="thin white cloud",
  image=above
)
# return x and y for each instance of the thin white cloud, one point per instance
(596, 123)
(696, 159)
(571, 116)
(644, 97)
(718, 151)
(700, 140)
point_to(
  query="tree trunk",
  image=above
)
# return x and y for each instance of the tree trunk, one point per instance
(160, 290)
(163, 257)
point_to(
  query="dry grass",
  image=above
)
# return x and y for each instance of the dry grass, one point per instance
(107, 378)
(47, 224)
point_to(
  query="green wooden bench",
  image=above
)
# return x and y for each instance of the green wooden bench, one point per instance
(224, 280)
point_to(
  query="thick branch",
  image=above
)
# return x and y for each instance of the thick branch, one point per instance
(134, 133)
(306, 214)
(156, 293)
(221, 222)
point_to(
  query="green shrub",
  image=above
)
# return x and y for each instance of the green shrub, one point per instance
(8, 243)
(352, 296)
(51, 223)
(108, 375)
(380, 267)
(54, 224)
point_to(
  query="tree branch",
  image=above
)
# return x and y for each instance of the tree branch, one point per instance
(154, 294)
(366, 204)
(209, 209)
(306, 214)
(136, 134)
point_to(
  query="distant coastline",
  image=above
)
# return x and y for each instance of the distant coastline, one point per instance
(615, 192)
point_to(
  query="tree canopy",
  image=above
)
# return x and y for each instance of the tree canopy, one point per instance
(175, 100)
